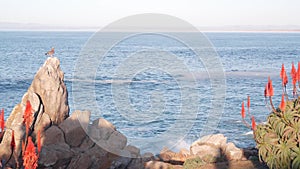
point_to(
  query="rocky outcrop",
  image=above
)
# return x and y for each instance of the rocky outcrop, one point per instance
(209, 148)
(211, 151)
(213, 147)
(76, 142)
(69, 145)
(48, 84)
(49, 100)
(67, 142)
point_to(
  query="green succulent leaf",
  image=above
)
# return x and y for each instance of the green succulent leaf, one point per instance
(278, 140)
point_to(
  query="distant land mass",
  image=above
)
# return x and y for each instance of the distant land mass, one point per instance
(12, 26)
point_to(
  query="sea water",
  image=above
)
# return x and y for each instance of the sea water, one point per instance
(247, 60)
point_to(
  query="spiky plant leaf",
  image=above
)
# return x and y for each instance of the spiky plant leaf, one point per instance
(296, 159)
(278, 140)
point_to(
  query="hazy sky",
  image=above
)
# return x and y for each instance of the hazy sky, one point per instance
(89, 13)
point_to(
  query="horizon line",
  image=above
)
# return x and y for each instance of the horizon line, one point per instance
(12, 26)
(183, 31)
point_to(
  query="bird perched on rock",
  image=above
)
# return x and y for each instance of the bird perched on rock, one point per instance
(51, 52)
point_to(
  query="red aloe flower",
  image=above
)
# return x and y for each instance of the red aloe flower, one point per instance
(39, 147)
(267, 91)
(30, 158)
(283, 76)
(12, 143)
(298, 73)
(282, 71)
(270, 87)
(248, 104)
(253, 123)
(2, 121)
(282, 104)
(28, 116)
(243, 111)
(294, 75)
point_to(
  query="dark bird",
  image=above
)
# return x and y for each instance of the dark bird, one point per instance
(51, 52)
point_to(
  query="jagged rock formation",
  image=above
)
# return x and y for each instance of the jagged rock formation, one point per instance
(69, 145)
(49, 99)
(211, 151)
(48, 84)
(67, 142)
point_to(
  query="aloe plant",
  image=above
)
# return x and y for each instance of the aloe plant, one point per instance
(278, 140)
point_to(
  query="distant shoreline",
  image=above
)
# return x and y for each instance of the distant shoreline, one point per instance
(180, 31)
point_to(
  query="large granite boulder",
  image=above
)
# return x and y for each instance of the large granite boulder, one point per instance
(48, 84)
(213, 147)
(67, 142)
(48, 97)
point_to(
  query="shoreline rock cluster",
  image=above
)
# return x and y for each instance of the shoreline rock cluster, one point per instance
(75, 142)
(207, 152)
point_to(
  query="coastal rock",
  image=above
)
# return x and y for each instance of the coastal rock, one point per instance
(101, 129)
(53, 135)
(147, 157)
(117, 141)
(232, 152)
(67, 142)
(184, 154)
(80, 161)
(75, 127)
(86, 144)
(121, 162)
(48, 84)
(161, 165)
(136, 163)
(166, 155)
(48, 98)
(134, 151)
(55, 155)
(209, 148)
(208, 153)
(216, 140)
(174, 158)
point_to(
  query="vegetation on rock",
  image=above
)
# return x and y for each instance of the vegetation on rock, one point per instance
(278, 140)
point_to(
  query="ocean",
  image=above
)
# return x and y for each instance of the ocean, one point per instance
(153, 96)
